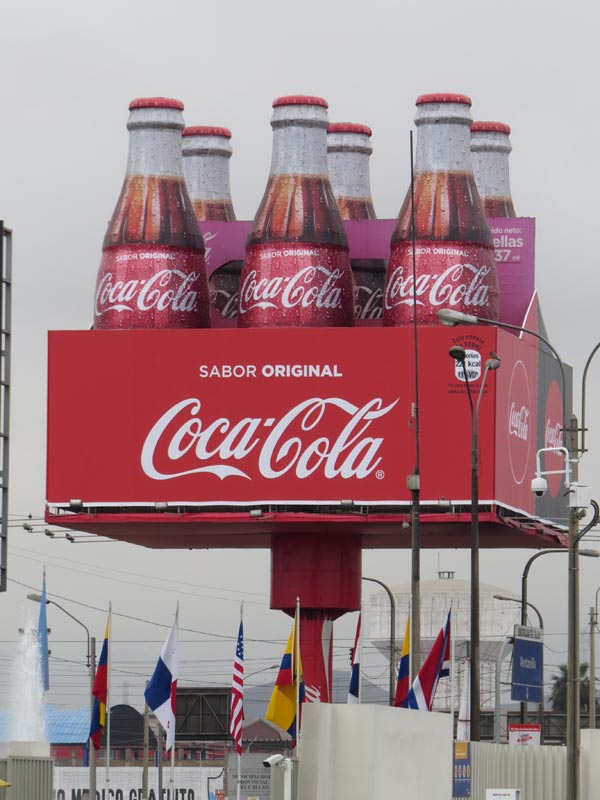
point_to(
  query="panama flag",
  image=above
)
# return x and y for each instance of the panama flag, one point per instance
(161, 692)
(435, 666)
(403, 680)
(354, 688)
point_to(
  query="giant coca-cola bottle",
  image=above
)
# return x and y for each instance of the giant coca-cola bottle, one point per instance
(152, 273)
(454, 253)
(490, 148)
(348, 151)
(297, 269)
(206, 154)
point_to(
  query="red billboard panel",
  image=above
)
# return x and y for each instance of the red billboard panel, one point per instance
(225, 419)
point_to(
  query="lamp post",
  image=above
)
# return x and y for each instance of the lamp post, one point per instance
(91, 666)
(459, 355)
(392, 635)
(570, 434)
(593, 625)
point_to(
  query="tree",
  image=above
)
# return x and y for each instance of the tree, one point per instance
(558, 693)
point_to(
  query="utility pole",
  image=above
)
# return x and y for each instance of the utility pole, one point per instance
(592, 701)
(573, 689)
(146, 749)
(91, 748)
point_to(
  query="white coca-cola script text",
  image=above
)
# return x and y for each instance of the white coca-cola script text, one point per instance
(460, 284)
(312, 285)
(303, 441)
(518, 424)
(168, 288)
(554, 436)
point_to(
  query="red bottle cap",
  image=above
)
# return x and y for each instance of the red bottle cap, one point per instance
(300, 100)
(490, 127)
(206, 130)
(349, 127)
(443, 98)
(156, 102)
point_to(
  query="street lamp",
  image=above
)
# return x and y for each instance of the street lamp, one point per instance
(519, 601)
(570, 436)
(593, 625)
(38, 599)
(91, 666)
(392, 636)
(459, 355)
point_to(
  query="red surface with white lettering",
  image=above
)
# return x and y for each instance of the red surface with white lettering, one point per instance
(229, 418)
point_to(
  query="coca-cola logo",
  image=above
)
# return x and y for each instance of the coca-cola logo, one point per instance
(166, 289)
(553, 436)
(519, 422)
(312, 285)
(227, 303)
(312, 694)
(301, 442)
(463, 285)
(368, 303)
(208, 236)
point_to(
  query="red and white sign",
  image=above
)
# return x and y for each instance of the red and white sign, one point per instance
(524, 735)
(226, 418)
(235, 417)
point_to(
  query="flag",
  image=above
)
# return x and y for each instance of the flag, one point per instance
(42, 638)
(161, 692)
(288, 693)
(463, 726)
(100, 692)
(354, 688)
(237, 693)
(435, 666)
(403, 680)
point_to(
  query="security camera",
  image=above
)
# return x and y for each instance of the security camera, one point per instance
(539, 486)
(272, 761)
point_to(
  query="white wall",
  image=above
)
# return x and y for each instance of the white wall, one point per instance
(361, 751)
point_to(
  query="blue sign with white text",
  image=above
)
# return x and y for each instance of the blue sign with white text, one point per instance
(528, 671)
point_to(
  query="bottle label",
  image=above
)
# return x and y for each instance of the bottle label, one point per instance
(151, 287)
(294, 284)
(369, 279)
(454, 275)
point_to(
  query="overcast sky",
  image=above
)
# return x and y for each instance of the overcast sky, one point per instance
(69, 71)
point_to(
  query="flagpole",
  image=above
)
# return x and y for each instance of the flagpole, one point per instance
(360, 652)
(172, 778)
(239, 755)
(452, 678)
(410, 661)
(91, 748)
(296, 675)
(108, 671)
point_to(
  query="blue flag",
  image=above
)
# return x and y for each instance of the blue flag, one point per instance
(42, 638)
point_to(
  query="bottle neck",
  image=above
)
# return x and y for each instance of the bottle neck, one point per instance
(299, 149)
(491, 171)
(207, 177)
(349, 173)
(155, 142)
(443, 146)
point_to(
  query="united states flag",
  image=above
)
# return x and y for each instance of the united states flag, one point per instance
(237, 693)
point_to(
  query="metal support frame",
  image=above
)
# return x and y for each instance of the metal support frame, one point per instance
(5, 363)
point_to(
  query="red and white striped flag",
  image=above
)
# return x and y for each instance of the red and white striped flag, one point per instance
(237, 693)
